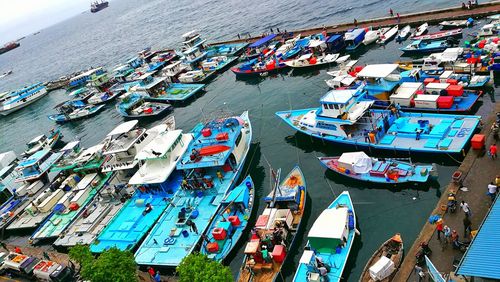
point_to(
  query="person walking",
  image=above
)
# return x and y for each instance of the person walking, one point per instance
(355, 22)
(152, 273)
(493, 151)
(467, 227)
(397, 16)
(439, 228)
(465, 207)
(391, 12)
(492, 191)
(447, 234)
(157, 276)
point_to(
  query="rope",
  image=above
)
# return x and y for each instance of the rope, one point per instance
(451, 157)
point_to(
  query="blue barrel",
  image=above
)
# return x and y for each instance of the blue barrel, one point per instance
(195, 214)
(185, 233)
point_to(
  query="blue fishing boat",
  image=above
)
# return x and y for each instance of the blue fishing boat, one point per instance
(217, 63)
(359, 166)
(274, 233)
(74, 110)
(43, 141)
(344, 118)
(16, 100)
(256, 67)
(232, 218)
(211, 166)
(335, 43)
(421, 47)
(255, 49)
(137, 105)
(329, 243)
(37, 165)
(354, 38)
(82, 79)
(227, 49)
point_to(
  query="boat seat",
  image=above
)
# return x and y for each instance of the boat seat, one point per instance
(379, 170)
(452, 133)
(457, 124)
(387, 139)
(431, 143)
(445, 143)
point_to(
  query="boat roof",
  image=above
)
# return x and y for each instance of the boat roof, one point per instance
(87, 73)
(338, 96)
(124, 127)
(305, 57)
(36, 139)
(33, 159)
(354, 33)
(159, 146)
(173, 65)
(306, 257)
(315, 43)
(70, 146)
(7, 158)
(378, 70)
(262, 41)
(189, 33)
(88, 153)
(156, 81)
(333, 37)
(330, 224)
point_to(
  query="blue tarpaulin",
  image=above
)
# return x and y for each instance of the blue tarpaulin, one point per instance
(238, 195)
(262, 41)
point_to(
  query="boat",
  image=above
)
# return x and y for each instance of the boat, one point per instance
(354, 38)
(69, 206)
(47, 270)
(196, 76)
(217, 63)
(206, 182)
(233, 217)
(440, 35)
(98, 98)
(256, 67)
(419, 47)
(478, 81)
(345, 75)
(335, 43)
(455, 24)
(256, 48)
(419, 31)
(136, 105)
(226, 49)
(373, 35)
(488, 30)
(344, 117)
(8, 161)
(18, 99)
(36, 166)
(312, 60)
(403, 33)
(330, 240)
(384, 263)
(9, 46)
(359, 166)
(193, 49)
(81, 79)
(98, 213)
(73, 110)
(156, 184)
(5, 73)
(274, 233)
(70, 151)
(97, 6)
(15, 205)
(384, 38)
(43, 142)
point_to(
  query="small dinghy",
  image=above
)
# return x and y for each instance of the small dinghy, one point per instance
(420, 30)
(138, 106)
(73, 110)
(360, 166)
(440, 35)
(384, 263)
(384, 38)
(403, 33)
(311, 60)
(455, 24)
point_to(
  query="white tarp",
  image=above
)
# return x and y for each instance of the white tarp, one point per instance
(378, 70)
(357, 162)
(331, 223)
(382, 269)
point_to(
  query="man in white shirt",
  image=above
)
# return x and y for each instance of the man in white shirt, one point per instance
(465, 207)
(492, 191)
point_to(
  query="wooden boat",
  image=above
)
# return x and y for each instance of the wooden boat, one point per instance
(384, 38)
(43, 142)
(403, 33)
(275, 230)
(310, 60)
(384, 263)
(233, 217)
(73, 110)
(419, 31)
(329, 242)
(440, 35)
(455, 24)
(359, 166)
(136, 105)
(419, 47)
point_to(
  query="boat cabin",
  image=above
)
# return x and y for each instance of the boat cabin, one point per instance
(36, 165)
(193, 39)
(135, 62)
(121, 73)
(173, 70)
(258, 46)
(99, 81)
(335, 43)
(82, 78)
(354, 38)
(193, 56)
(153, 86)
(90, 158)
(380, 80)
(38, 141)
(330, 230)
(342, 104)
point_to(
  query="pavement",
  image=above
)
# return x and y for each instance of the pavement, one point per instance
(478, 171)
(431, 17)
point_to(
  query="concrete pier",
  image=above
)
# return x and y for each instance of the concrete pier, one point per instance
(413, 19)
(478, 171)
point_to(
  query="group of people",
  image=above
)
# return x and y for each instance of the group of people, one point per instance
(469, 5)
(447, 235)
(197, 180)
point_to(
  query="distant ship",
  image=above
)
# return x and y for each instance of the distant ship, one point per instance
(97, 6)
(9, 46)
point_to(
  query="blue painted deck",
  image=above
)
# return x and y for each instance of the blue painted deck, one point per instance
(129, 226)
(335, 260)
(230, 49)
(179, 92)
(449, 134)
(234, 233)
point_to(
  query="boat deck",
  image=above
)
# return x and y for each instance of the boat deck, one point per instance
(129, 226)
(167, 243)
(57, 223)
(180, 91)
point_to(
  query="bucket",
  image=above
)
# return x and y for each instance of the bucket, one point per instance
(185, 233)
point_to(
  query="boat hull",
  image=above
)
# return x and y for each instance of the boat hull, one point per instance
(8, 111)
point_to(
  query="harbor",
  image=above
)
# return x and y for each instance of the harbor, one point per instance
(245, 150)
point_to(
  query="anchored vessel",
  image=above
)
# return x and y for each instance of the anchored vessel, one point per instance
(16, 100)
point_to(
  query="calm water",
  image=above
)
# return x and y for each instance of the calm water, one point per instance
(116, 33)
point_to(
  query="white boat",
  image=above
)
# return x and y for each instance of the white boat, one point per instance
(341, 76)
(311, 60)
(420, 30)
(404, 33)
(373, 35)
(42, 142)
(5, 73)
(455, 24)
(195, 76)
(16, 100)
(384, 38)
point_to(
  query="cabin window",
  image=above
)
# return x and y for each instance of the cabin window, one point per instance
(325, 106)
(330, 106)
(326, 126)
(238, 139)
(336, 106)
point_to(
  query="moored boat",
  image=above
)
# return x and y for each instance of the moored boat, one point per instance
(384, 263)
(359, 166)
(312, 60)
(16, 100)
(373, 35)
(420, 30)
(233, 216)
(439, 35)
(217, 63)
(264, 67)
(354, 38)
(137, 105)
(403, 33)
(330, 240)
(42, 142)
(37, 165)
(419, 47)
(74, 110)
(384, 38)
(457, 23)
(207, 179)
(196, 76)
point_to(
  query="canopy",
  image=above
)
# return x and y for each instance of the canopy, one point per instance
(239, 194)
(316, 43)
(338, 96)
(382, 269)
(357, 162)
(262, 41)
(378, 70)
(159, 146)
(334, 38)
(123, 128)
(328, 229)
